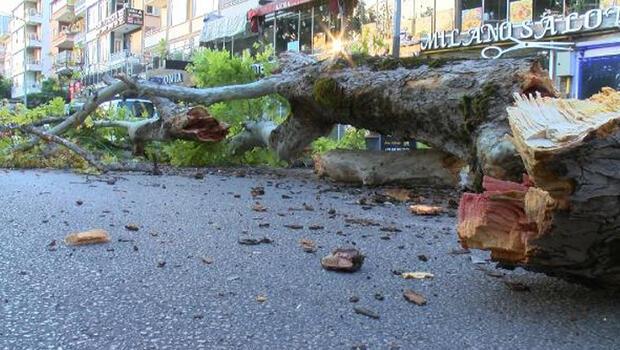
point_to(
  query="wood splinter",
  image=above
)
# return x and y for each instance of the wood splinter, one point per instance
(95, 236)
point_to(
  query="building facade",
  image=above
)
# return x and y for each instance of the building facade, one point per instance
(588, 31)
(179, 26)
(5, 38)
(29, 47)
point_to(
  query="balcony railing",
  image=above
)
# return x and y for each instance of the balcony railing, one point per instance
(64, 57)
(63, 38)
(32, 16)
(62, 10)
(33, 39)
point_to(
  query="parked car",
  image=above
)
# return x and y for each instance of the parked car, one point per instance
(134, 107)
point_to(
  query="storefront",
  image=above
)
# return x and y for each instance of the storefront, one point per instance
(312, 27)
(580, 45)
(228, 28)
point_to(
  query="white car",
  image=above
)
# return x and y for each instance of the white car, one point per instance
(134, 107)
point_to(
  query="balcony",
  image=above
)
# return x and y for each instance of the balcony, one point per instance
(63, 39)
(64, 58)
(33, 40)
(80, 8)
(33, 64)
(123, 21)
(33, 17)
(62, 10)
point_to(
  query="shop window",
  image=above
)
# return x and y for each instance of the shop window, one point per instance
(548, 7)
(323, 28)
(444, 15)
(266, 36)
(305, 31)
(471, 14)
(287, 35)
(521, 10)
(495, 11)
(581, 6)
(424, 15)
(598, 72)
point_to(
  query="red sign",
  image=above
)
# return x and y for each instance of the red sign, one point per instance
(278, 5)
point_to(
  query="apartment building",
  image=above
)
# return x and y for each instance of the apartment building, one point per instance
(29, 48)
(5, 39)
(180, 24)
(94, 38)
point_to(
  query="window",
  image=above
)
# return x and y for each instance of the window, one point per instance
(93, 18)
(495, 11)
(552, 7)
(203, 7)
(444, 15)
(471, 14)
(596, 73)
(424, 15)
(520, 10)
(179, 12)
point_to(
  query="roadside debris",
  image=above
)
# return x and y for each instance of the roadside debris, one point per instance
(398, 194)
(254, 241)
(52, 246)
(308, 245)
(207, 260)
(294, 226)
(343, 260)
(366, 312)
(417, 275)
(259, 207)
(88, 237)
(161, 264)
(132, 227)
(517, 286)
(257, 191)
(421, 209)
(414, 297)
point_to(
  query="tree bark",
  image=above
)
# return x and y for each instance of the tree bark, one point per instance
(174, 122)
(458, 107)
(564, 219)
(416, 168)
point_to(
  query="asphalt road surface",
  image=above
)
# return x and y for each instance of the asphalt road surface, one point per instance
(182, 281)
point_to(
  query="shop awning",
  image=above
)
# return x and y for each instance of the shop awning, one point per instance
(277, 6)
(222, 27)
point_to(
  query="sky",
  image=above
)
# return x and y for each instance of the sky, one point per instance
(7, 5)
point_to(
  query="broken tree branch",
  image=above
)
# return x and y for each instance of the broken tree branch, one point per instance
(90, 158)
(564, 219)
(77, 118)
(425, 167)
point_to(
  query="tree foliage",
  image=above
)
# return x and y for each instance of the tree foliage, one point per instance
(217, 68)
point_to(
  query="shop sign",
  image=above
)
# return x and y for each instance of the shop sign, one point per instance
(168, 79)
(130, 16)
(548, 26)
(279, 5)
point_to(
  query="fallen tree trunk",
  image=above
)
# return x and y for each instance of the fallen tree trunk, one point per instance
(458, 107)
(173, 123)
(564, 219)
(425, 167)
